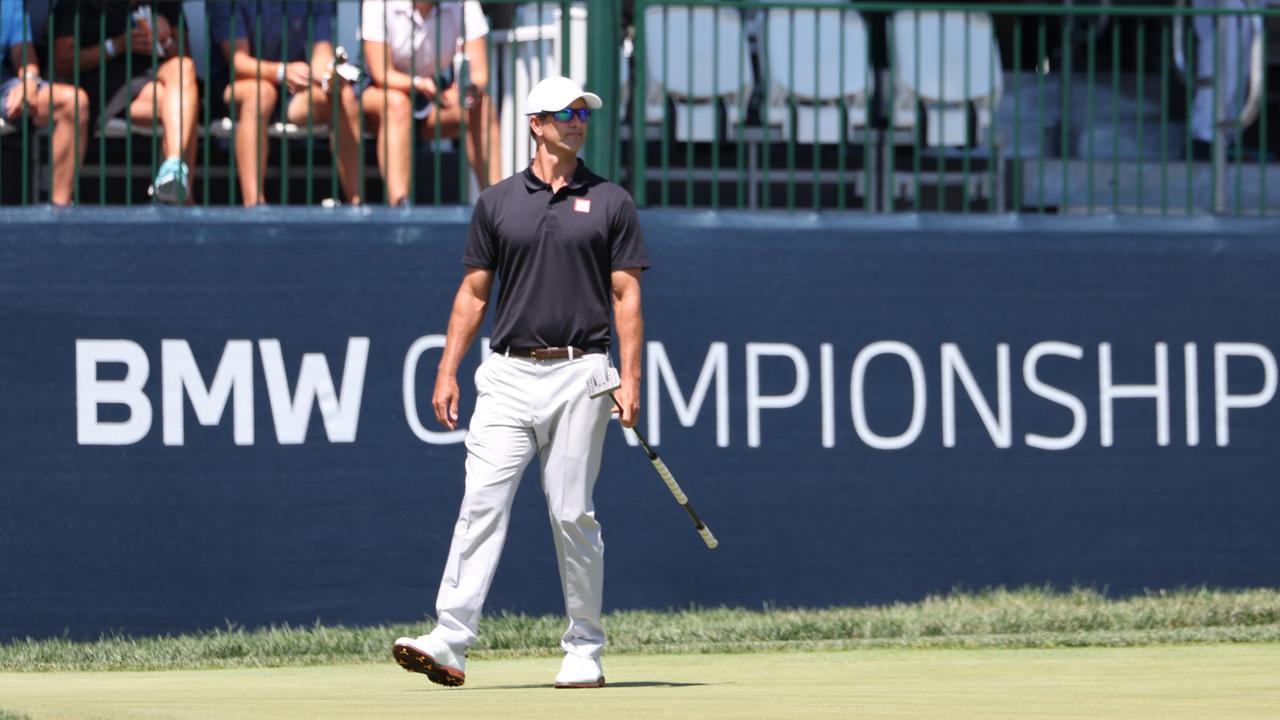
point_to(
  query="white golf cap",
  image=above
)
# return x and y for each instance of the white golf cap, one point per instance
(557, 93)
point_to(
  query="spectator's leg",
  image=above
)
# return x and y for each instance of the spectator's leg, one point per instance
(313, 101)
(67, 100)
(1231, 74)
(347, 140)
(484, 153)
(393, 137)
(255, 102)
(180, 109)
(341, 133)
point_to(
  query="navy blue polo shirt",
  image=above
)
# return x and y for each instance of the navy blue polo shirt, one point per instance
(279, 18)
(554, 254)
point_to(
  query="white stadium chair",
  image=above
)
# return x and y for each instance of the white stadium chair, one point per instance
(933, 72)
(828, 63)
(947, 63)
(697, 57)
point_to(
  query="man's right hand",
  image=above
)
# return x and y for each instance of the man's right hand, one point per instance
(140, 39)
(445, 400)
(297, 76)
(425, 87)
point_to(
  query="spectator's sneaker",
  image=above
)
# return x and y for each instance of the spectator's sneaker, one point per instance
(580, 672)
(172, 186)
(431, 657)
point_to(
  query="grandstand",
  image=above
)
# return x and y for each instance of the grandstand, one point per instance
(872, 107)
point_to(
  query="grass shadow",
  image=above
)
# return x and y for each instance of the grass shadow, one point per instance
(629, 684)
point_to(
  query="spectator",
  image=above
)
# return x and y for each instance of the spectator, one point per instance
(266, 48)
(405, 33)
(1232, 77)
(162, 92)
(24, 91)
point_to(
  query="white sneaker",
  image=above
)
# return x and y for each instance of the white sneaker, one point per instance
(580, 672)
(431, 657)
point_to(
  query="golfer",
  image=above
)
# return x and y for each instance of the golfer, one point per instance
(562, 243)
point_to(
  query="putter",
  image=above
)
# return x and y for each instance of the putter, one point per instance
(597, 388)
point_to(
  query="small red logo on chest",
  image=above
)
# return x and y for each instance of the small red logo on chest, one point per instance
(581, 205)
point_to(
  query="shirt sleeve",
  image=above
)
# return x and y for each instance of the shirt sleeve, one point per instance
(477, 26)
(64, 18)
(221, 15)
(170, 10)
(372, 27)
(13, 31)
(628, 249)
(323, 30)
(482, 249)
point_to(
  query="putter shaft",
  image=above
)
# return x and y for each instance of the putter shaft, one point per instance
(673, 486)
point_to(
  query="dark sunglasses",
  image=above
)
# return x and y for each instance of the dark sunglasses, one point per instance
(567, 114)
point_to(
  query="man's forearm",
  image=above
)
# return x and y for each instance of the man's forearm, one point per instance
(464, 323)
(630, 322)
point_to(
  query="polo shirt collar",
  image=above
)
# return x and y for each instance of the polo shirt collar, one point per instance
(579, 180)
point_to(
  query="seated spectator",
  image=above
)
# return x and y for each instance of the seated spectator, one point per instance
(282, 64)
(1232, 78)
(24, 92)
(164, 94)
(401, 53)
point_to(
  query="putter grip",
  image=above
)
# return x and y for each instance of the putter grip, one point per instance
(661, 467)
(707, 537)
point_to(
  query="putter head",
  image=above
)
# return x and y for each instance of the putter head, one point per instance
(598, 386)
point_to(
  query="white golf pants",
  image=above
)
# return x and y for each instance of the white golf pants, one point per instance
(523, 407)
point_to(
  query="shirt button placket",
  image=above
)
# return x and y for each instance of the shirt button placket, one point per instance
(550, 221)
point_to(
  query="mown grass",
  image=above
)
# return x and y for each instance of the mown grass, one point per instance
(1024, 618)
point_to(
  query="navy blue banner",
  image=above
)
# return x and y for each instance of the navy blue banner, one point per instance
(212, 416)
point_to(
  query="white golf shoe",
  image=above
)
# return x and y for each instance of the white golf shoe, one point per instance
(580, 672)
(431, 657)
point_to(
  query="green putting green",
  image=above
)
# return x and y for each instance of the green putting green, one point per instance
(1189, 681)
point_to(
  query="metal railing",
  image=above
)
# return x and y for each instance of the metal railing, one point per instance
(1044, 108)
(863, 106)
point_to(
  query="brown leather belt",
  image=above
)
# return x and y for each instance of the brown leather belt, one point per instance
(552, 353)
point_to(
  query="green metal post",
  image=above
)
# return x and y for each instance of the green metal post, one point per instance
(1262, 134)
(968, 129)
(715, 143)
(1041, 31)
(1065, 139)
(101, 92)
(604, 37)
(208, 45)
(75, 81)
(1164, 119)
(566, 29)
(688, 143)
(1017, 113)
(1115, 116)
(1189, 157)
(915, 139)
(1092, 61)
(283, 105)
(638, 190)
(1141, 93)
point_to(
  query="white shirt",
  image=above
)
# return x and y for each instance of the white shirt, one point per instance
(412, 39)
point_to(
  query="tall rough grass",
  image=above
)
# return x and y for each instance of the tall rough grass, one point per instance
(1023, 618)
